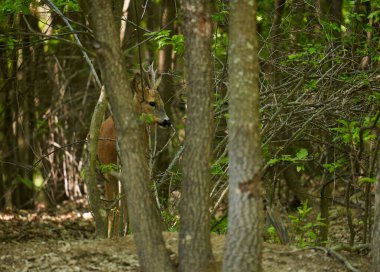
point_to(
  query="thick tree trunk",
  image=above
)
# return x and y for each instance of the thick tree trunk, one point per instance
(245, 217)
(144, 218)
(195, 252)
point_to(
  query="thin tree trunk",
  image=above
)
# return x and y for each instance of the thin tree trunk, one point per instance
(100, 214)
(275, 35)
(195, 253)
(167, 92)
(331, 11)
(9, 172)
(27, 123)
(144, 218)
(245, 216)
(376, 225)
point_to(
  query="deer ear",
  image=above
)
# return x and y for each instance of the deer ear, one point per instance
(136, 84)
(157, 83)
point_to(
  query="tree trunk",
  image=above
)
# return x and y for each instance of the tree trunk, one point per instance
(275, 36)
(167, 92)
(244, 238)
(195, 253)
(144, 218)
(9, 171)
(376, 226)
(331, 11)
(100, 214)
(25, 189)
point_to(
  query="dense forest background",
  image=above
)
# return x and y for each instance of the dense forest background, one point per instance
(319, 84)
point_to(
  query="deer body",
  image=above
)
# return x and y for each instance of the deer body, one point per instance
(147, 100)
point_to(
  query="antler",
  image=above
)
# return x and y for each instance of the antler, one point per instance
(151, 80)
(152, 74)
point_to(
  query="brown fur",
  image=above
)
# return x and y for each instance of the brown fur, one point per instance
(148, 102)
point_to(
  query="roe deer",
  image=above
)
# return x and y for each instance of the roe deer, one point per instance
(147, 100)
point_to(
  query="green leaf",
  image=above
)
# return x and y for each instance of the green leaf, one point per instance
(147, 118)
(107, 168)
(27, 182)
(302, 154)
(14, 6)
(178, 42)
(367, 180)
(300, 168)
(273, 161)
(312, 50)
(312, 235)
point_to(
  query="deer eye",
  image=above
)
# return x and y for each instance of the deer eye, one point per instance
(153, 104)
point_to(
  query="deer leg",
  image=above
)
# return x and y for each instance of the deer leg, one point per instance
(124, 213)
(112, 195)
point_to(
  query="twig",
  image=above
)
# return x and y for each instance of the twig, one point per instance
(57, 149)
(337, 256)
(76, 38)
(172, 163)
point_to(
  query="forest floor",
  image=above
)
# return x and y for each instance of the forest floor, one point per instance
(62, 240)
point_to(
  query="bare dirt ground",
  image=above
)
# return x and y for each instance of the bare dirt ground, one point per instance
(62, 240)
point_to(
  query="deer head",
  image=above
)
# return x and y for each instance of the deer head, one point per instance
(148, 99)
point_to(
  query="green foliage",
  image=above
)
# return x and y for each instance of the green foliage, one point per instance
(147, 118)
(14, 6)
(310, 54)
(220, 227)
(83, 174)
(332, 167)
(349, 132)
(219, 45)
(67, 5)
(171, 221)
(38, 179)
(375, 15)
(221, 15)
(374, 98)
(273, 237)
(163, 38)
(298, 160)
(178, 42)
(42, 126)
(367, 180)
(8, 40)
(311, 85)
(219, 166)
(361, 77)
(306, 232)
(107, 168)
(27, 182)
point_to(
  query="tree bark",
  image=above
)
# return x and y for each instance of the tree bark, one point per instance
(275, 36)
(244, 238)
(9, 172)
(376, 226)
(100, 214)
(195, 253)
(331, 10)
(167, 92)
(144, 218)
